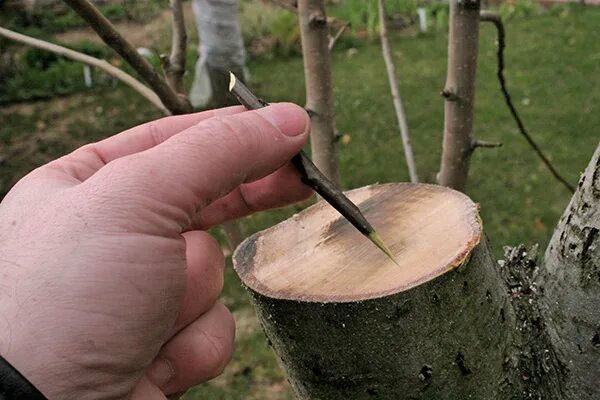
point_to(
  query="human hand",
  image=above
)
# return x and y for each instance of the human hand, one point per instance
(108, 280)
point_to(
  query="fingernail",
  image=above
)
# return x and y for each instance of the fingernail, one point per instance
(161, 372)
(291, 119)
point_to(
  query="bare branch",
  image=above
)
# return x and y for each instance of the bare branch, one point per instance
(487, 16)
(389, 64)
(334, 39)
(105, 29)
(175, 65)
(110, 69)
(290, 5)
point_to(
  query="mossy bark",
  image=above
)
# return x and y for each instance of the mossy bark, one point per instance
(445, 339)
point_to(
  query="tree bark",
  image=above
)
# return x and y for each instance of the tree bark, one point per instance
(347, 323)
(319, 90)
(459, 93)
(570, 284)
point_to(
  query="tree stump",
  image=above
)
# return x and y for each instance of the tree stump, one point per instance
(348, 323)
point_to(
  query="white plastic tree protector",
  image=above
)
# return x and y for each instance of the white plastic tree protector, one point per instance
(221, 44)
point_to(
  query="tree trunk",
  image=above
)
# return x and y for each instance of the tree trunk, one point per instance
(221, 50)
(319, 90)
(570, 284)
(459, 93)
(347, 323)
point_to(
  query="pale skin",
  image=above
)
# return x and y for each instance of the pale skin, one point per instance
(108, 278)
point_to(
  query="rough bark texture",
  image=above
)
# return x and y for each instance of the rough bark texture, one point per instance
(570, 283)
(319, 90)
(447, 338)
(532, 365)
(459, 93)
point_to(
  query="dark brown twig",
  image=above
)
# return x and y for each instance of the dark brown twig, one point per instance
(314, 178)
(105, 29)
(495, 19)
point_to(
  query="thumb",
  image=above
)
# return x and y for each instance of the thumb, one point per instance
(202, 163)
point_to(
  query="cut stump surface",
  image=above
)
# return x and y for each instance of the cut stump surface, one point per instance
(319, 256)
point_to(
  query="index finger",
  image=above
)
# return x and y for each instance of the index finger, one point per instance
(87, 160)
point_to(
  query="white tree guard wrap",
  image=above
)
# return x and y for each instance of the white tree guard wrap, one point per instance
(221, 44)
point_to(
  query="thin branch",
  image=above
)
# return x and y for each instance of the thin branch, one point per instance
(483, 143)
(333, 40)
(495, 19)
(110, 69)
(389, 64)
(105, 29)
(287, 4)
(174, 66)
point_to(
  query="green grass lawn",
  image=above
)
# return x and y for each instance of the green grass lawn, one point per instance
(553, 72)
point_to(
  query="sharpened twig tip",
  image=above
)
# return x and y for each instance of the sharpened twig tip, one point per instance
(232, 80)
(377, 241)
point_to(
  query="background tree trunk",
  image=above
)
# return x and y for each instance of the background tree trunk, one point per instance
(570, 288)
(459, 93)
(319, 90)
(347, 323)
